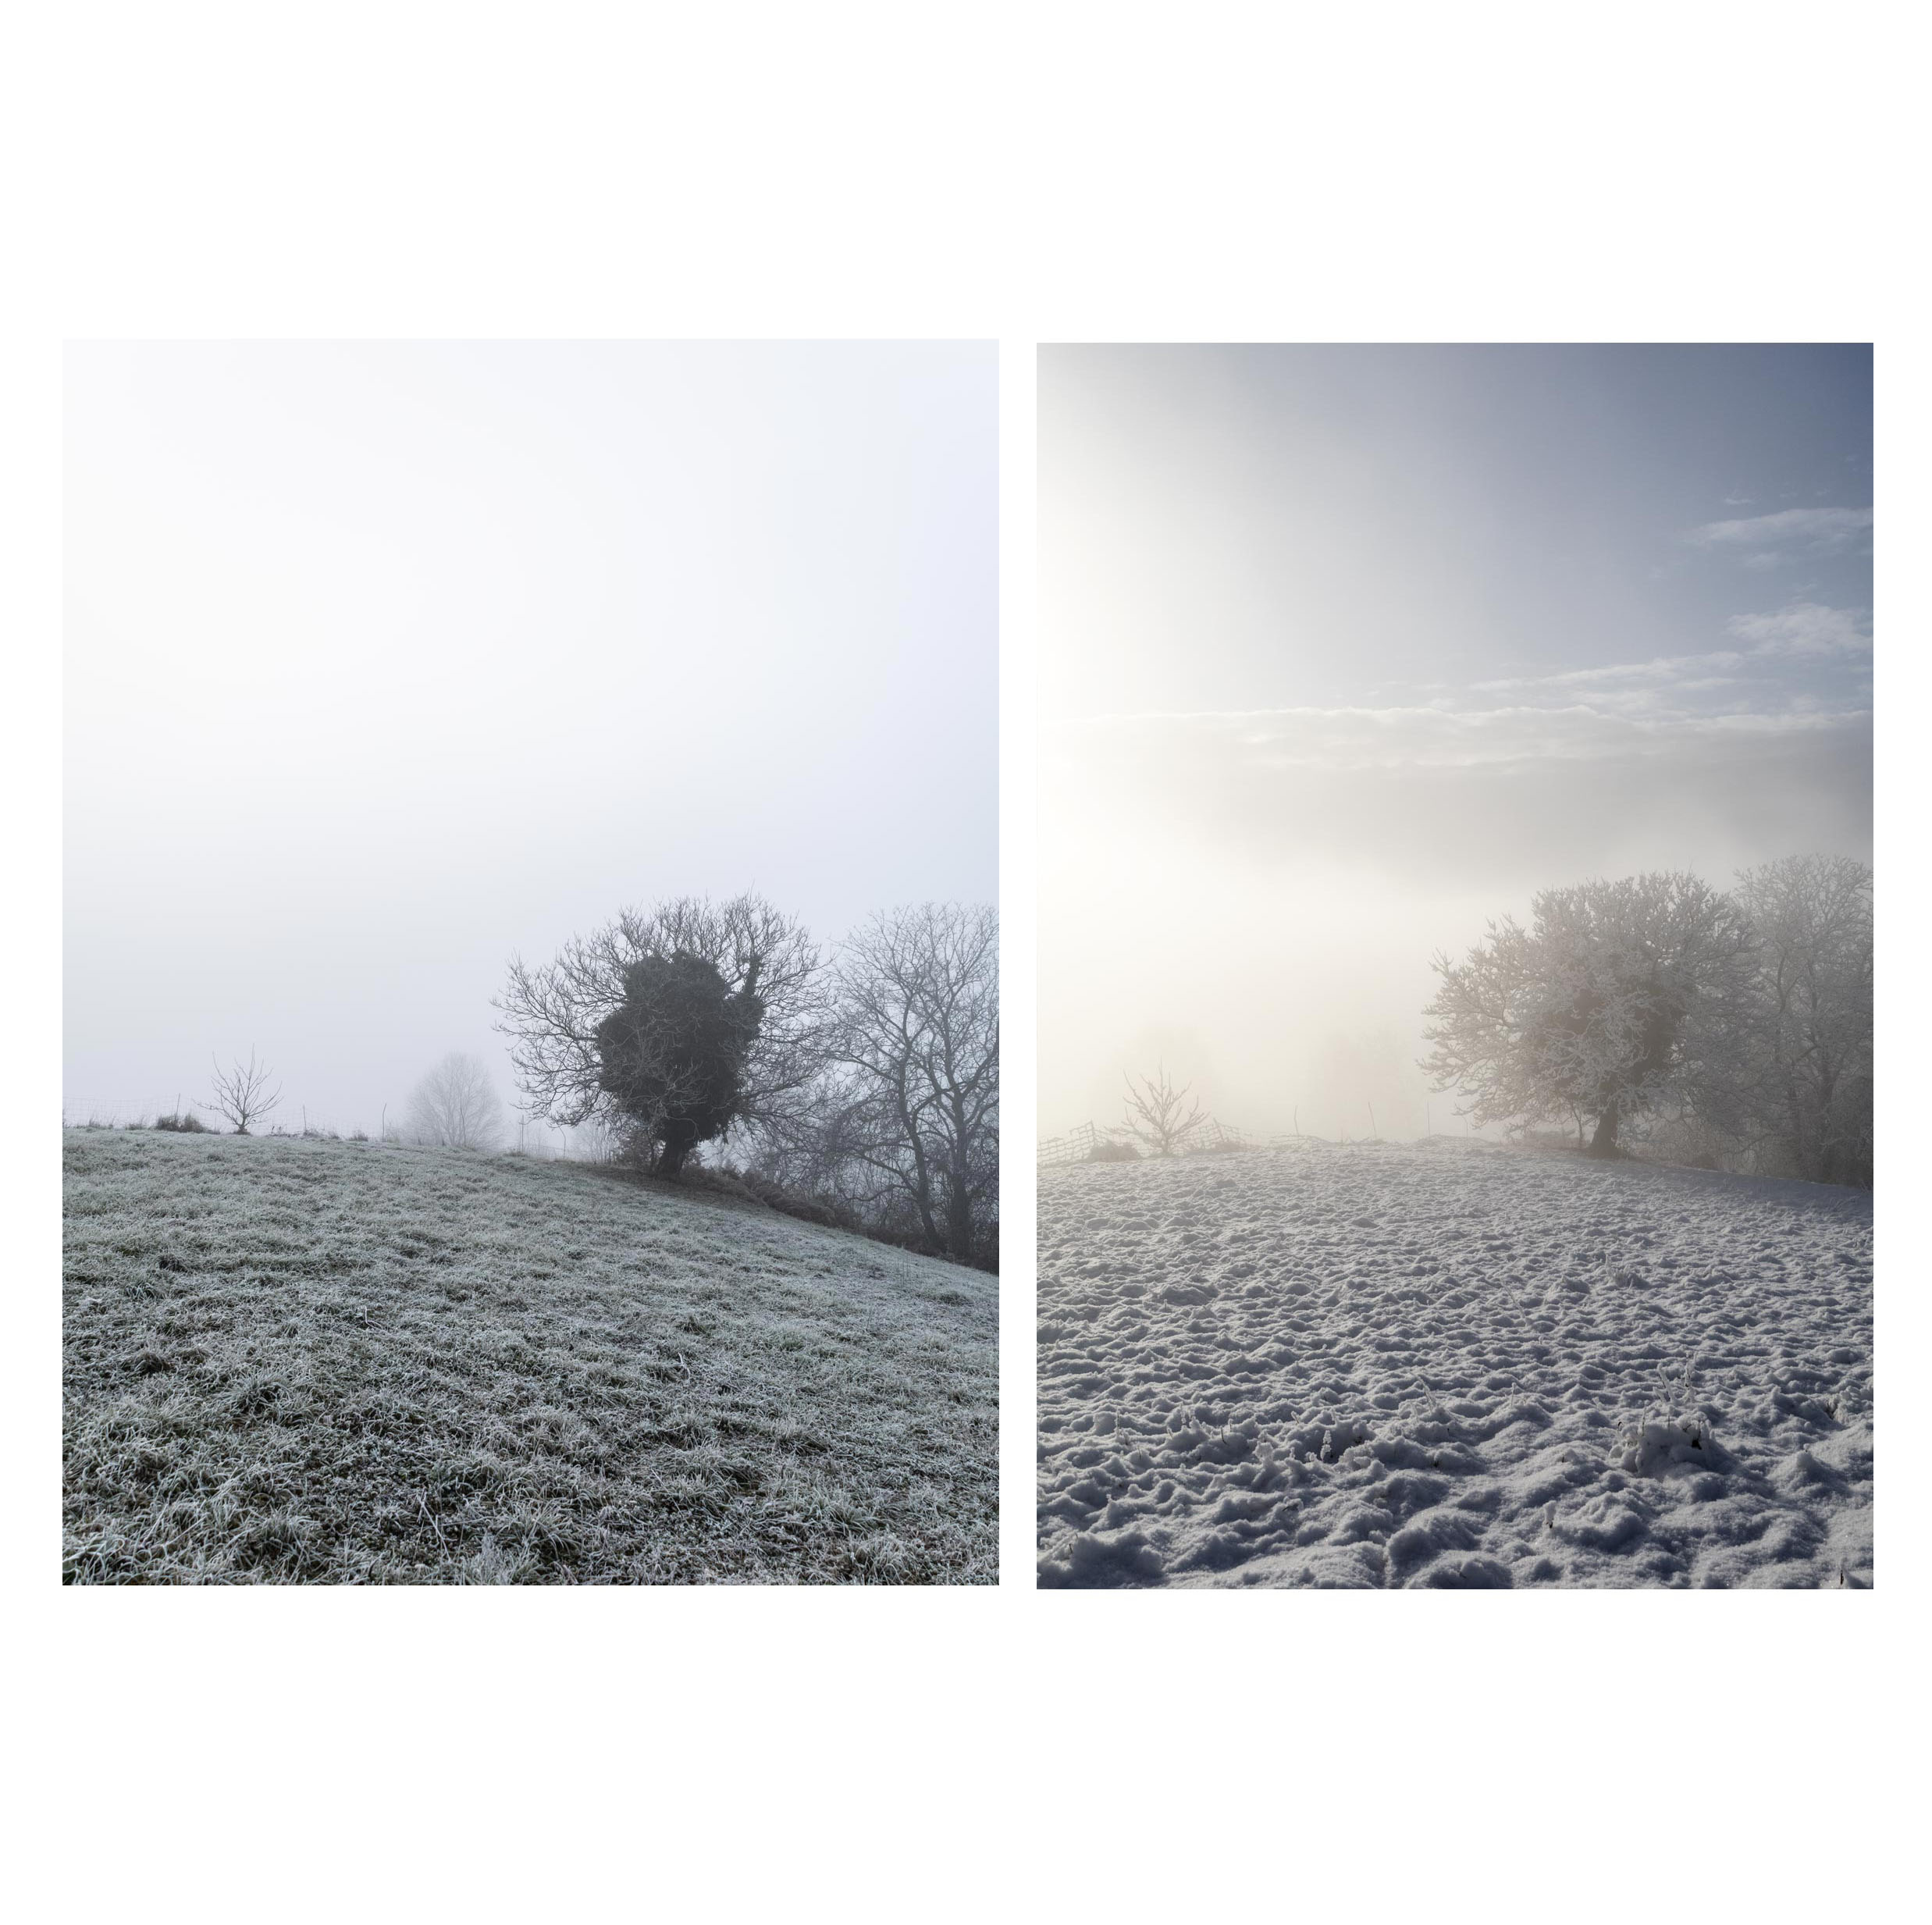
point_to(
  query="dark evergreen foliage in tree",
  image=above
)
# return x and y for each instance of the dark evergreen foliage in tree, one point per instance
(672, 1055)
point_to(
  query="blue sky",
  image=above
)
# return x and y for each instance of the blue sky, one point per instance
(1391, 634)
(1331, 525)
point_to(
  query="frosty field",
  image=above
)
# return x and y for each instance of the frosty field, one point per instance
(1451, 1366)
(292, 1360)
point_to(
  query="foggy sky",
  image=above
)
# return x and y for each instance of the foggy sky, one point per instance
(384, 661)
(1345, 650)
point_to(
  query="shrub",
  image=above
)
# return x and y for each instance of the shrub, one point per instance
(722, 1179)
(830, 1215)
(182, 1119)
(1692, 1142)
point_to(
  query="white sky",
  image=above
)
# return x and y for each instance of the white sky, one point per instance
(384, 661)
(1344, 650)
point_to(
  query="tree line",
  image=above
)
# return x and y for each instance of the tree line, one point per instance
(1732, 1028)
(865, 1076)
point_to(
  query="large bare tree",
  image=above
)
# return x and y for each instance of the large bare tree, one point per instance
(456, 1107)
(242, 1093)
(1619, 997)
(553, 1012)
(918, 1039)
(1806, 1095)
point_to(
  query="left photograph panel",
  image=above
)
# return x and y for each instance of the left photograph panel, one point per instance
(531, 1030)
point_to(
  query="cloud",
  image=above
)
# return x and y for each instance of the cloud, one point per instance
(1723, 755)
(1661, 672)
(1361, 739)
(1805, 628)
(1756, 677)
(1812, 531)
(1789, 679)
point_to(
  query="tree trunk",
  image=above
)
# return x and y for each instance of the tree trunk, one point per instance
(1604, 1142)
(959, 1220)
(680, 1139)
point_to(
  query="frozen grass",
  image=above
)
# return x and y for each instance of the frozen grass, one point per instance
(301, 1361)
(1452, 1365)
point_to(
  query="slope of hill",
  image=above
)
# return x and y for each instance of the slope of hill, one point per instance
(308, 1361)
(1450, 1366)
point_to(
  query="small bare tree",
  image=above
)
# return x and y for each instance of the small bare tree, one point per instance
(1158, 1114)
(455, 1106)
(242, 1093)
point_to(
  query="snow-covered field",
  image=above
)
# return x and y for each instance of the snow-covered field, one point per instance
(1452, 1365)
(335, 1362)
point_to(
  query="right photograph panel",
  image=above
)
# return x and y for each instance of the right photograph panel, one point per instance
(1456, 1050)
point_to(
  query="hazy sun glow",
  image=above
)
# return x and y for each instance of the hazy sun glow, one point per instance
(1344, 650)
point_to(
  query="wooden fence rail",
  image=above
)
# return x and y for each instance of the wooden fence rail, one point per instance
(1079, 1145)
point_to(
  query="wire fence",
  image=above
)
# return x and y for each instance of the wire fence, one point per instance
(1089, 1143)
(128, 1112)
(529, 1136)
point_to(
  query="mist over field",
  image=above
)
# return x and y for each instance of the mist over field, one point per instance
(531, 964)
(1345, 651)
(1457, 1061)
(384, 661)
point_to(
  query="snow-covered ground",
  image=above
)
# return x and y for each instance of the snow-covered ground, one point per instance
(1451, 1366)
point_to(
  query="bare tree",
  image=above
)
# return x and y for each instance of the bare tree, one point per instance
(1159, 1114)
(242, 1093)
(918, 1037)
(1621, 998)
(552, 1012)
(1805, 1096)
(455, 1106)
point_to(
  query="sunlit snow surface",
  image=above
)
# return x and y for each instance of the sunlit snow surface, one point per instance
(1451, 1366)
